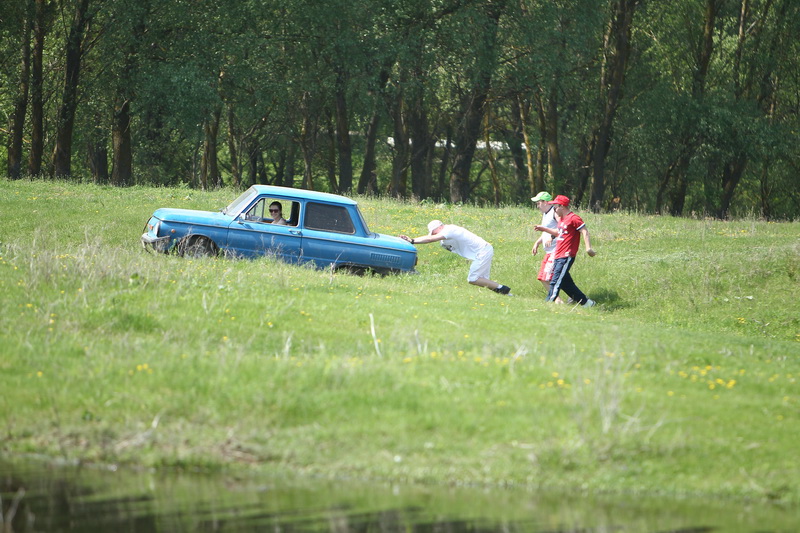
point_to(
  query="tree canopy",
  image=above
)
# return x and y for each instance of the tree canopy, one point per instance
(688, 107)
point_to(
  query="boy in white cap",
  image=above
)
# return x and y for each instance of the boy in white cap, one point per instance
(546, 241)
(469, 246)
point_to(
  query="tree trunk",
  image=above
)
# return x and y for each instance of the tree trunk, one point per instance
(291, 159)
(36, 153)
(662, 187)
(541, 148)
(397, 184)
(122, 166)
(17, 119)
(466, 138)
(443, 168)
(421, 149)
(765, 187)
(343, 144)
(251, 149)
(491, 162)
(62, 154)
(331, 159)
(515, 138)
(581, 182)
(236, 171)
(97, 152)
(307, 143)
(368, 182)
(209, 169)
(535, 179)
(617, 53)
(678, 196)
(97, 155)
(555, 165)
(262, 169)
(731, 176)
(765, 192)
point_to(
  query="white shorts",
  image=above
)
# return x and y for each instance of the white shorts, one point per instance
(546, 268)
(482, 265)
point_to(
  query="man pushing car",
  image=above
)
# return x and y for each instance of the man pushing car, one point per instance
(469, 246)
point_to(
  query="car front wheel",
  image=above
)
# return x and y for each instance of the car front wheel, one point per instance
(198, 247)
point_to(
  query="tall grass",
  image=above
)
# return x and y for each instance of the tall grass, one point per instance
(682, 380)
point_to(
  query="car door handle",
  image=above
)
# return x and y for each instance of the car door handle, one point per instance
(295, 232)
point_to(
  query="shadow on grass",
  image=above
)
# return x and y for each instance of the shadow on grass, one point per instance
(609, 300)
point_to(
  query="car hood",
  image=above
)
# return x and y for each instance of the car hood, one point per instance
(192, 216)
(393, 242)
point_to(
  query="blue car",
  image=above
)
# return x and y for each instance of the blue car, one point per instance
(295, 225)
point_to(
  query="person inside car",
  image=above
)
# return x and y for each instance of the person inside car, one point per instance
(276, 212)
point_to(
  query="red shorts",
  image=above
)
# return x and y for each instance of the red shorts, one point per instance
(546, 269)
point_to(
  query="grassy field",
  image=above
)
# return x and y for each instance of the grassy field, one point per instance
(683, 380)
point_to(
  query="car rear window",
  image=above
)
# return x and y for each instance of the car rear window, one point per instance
(326, 217)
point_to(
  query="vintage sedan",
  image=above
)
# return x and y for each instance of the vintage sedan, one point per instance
(327, 230)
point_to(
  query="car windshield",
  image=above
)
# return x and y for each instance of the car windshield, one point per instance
(240, 203)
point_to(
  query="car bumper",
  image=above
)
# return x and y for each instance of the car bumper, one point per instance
(158, 244)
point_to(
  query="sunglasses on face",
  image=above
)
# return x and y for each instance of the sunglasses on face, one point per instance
(274, 210)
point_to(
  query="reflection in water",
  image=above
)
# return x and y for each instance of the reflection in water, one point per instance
(37, 498)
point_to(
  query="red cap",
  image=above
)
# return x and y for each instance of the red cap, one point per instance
(560, 200)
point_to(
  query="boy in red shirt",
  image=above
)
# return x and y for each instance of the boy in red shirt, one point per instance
(568, 241)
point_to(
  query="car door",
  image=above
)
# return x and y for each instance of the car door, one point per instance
(330, 236)
(252, 234)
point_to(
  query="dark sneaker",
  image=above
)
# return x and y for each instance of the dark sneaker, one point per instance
(502, 289)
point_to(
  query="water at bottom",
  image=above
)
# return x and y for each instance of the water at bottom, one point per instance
(39, 497)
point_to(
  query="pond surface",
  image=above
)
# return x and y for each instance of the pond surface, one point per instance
(44, 498)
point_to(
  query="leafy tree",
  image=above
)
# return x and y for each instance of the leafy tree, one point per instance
(687, 106)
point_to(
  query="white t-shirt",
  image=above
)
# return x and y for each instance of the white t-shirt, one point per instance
(463, 242)
(549, 221)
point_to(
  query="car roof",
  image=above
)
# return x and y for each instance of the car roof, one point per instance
(273, 190)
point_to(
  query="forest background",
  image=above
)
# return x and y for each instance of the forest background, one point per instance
(687, 107)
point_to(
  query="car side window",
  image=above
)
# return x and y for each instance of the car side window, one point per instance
(260, 212)
(327, 217)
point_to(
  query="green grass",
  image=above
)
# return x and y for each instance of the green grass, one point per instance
(682, 381)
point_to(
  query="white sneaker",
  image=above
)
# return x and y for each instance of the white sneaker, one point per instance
(570, 301)
(589, 303)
